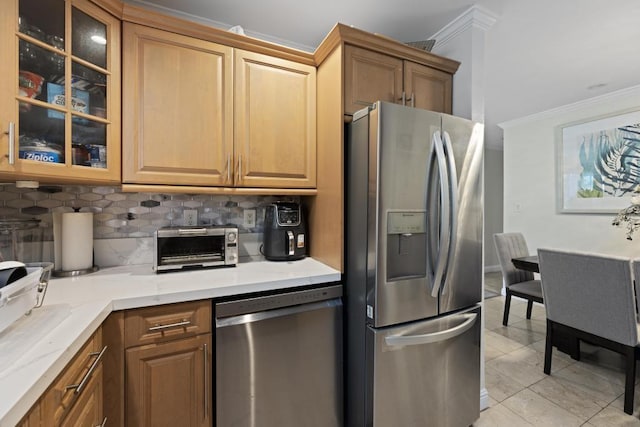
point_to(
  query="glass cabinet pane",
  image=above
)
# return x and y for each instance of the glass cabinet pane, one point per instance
(89, 40)
(43, 20)
(89, 139)
(41, 134)
(48, 64)
(94, 85)
(62, 94)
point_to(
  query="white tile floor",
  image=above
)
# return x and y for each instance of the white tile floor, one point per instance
(588, 393)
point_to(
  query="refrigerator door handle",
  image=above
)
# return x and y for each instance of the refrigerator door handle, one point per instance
(404, 340)
(445, 215)
(453, 200)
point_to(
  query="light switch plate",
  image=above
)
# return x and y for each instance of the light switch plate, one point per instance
(249, 218)
(190, 217)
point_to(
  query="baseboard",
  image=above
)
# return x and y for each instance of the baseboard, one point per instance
(484, 399)
(491, 268)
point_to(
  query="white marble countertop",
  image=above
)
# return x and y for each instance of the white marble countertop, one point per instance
(36, 348)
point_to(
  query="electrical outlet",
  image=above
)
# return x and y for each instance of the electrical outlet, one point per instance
(249, 218)
(190, 217)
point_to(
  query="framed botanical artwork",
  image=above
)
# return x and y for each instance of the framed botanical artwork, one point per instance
(598, 163)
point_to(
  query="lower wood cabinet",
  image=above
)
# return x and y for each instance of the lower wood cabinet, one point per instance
(76, 396)
(160, 370)
(33, 418)
(169, 384)
(87, 411)
(146, 367)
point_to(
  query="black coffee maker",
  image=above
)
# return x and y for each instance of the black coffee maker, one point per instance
(285, 236)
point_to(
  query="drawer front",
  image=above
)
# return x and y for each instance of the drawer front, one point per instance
(166, 322)
(73, 382)
(87, 411)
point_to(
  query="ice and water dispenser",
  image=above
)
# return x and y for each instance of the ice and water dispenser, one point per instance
(406, 245)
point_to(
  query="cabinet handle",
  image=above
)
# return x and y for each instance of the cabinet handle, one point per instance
(404, 98)
(206, 394)
(104, 423)
(78, 387)
(12, 143)
(229, 168)
(412, 99)
(240, 168)
(170, 325)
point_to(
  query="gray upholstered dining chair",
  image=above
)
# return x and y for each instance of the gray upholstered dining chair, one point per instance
(591, 297)
(517, 282)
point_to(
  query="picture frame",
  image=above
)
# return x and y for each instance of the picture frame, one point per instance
(598, 163)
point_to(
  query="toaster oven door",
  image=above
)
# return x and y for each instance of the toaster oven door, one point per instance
(189, 251)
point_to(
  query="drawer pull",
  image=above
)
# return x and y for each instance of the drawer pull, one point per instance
(80, 386)
(206, 380)
(104, 423)
(170, 325)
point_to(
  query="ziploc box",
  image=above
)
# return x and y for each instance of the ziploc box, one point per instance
(55, 95)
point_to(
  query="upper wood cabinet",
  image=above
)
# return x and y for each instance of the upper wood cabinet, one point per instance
(355, 69)
(275, 122)
(185, 124)
(428, 88)
(60, 92)
(371, 76)
(177, 110)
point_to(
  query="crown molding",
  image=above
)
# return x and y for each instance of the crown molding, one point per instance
(579, 105)
(474, 17)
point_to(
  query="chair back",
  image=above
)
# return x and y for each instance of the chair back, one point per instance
(636, 280)
(590, 292)
(511, 245)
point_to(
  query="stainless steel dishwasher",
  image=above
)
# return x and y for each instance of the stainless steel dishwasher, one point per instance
(279, 360)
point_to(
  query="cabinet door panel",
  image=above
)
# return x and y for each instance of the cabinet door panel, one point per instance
(369, 77)
(275, 122)
(430, 89)
(64, 103)
(177, 109)
(168, 384)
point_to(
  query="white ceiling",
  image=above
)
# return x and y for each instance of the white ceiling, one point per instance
(539, 54)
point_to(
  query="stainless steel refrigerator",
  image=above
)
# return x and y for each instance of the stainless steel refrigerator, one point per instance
(414, 215)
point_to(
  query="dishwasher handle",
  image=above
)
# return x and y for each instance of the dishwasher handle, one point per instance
(280, 312)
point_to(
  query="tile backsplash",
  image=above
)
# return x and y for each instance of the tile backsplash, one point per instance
(122, 215)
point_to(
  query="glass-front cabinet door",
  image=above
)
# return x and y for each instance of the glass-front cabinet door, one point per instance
(60, 91)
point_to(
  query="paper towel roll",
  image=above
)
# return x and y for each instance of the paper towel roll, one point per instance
(77, 241)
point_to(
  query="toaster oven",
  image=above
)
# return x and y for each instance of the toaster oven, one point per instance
(178, 248)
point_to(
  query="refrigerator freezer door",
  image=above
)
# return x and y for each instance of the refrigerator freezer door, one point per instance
(398, 286)
(427, 373)
(462, 286)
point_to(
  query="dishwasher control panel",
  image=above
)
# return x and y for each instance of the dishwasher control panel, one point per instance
(270, 302)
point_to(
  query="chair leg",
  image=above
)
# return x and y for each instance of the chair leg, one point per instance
(575, 348)
(548, 348)
(529, 308)
(630, 378)
(507, 305)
